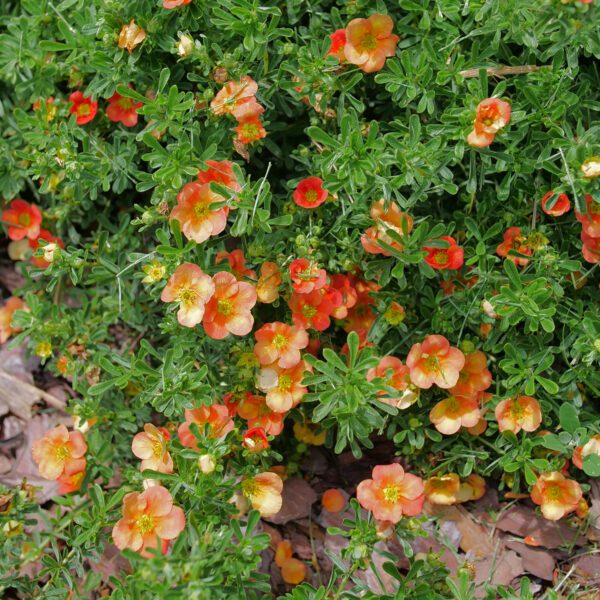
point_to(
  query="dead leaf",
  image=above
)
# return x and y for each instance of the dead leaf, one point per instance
(498, 569)
(536, 561)
(20, 396)
(298, 498)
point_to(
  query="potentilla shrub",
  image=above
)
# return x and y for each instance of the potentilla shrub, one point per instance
(244, 230)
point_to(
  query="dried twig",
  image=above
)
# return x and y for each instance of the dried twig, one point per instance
(20, 395)
(501, 71)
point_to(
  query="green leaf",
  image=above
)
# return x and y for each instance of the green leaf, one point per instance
(568, 418)
(591, 465)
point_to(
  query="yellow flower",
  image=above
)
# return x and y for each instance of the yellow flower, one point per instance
(155, 271)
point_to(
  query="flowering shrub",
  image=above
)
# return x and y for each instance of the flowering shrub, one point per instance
(245, 231)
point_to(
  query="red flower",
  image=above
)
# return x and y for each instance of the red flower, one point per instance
(343, 284)
(560, 207)
(123, 109)
(23, 220)
(219, 171)
(309, 193)
(84, 108)
(492, 115)
(314, 309)
(451, 257)
(590, 219)
(307, 276)
(338, 41)
(255, 440)
(41, 262)
(513, 240)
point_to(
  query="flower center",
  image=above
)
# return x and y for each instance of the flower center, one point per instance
(432, 363)
(224, 307)
(391, 493)
(250, 130)
(125, 103)
(62, 452)
(187, 296)
(201, 210)
(83, 110)
(369, 42)
(157, 448)
(24, 219)
(309, 311)
(285, 382)
(554, 493)
(145, 524)
(280, 341)
(310, 196)
(441, 258)
(249, 488)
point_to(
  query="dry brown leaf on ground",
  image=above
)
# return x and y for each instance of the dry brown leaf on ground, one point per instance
(500, 568)
(298, 498)
(536, 561)
(19, 396)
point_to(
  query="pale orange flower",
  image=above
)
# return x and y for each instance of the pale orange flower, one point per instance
(268, 284)
(72, 477)
(435, 361)
(55, 452)
(233, 95)
(474, 377)
(149, 519)
(449, 415)
(283, 387)
(443, 489)
(522, 412)
(280, 343)
(386, 219)
(590, 447)
(395, 375)
(193, 211)
(556, 495)
(253, 408)
(131, 35)
(229, 309)
(151, 446)
(369, 42)
(214, 420)
(264, 493)
(472, 488)
(391, 493)
(192, 288)
(6, 314)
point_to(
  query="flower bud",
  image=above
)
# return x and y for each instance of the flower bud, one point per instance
(185, 45)
(207, 463)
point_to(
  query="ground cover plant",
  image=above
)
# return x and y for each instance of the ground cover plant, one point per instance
(299, 299)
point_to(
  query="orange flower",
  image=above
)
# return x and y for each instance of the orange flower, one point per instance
(449, 415)
(293, 571)
(250, 129)
(123, 109)
(513, 240)
(360, 315)
(556, 495)
(283, 552)
(591, 248)
(333, 501)
(590, 219)
(264, 493)
(151, 446)
(561, 206)
(56, 450)
(590, 447)
(451, 257)
(283, 387)
(338, 41)
(192, 288)
(474, 377)
(435, 361)
(522, 412)
(443, 489)
(174, 3)
(369, 42)
(220, 171)
(309, 193)
(84, 107)
(228, 310)
(391, 493)
(386, 219)
(253, 408)
(23, 220)
(198, 220)
(72, 476)
(315, 308)
(255, 439)
(396, 375)
(6, 314)
(131, 35)
(306, 276)
(149, 519)
(349, 295)
(268, 284)
(212, 420)
(237, 263)
(492, 115)
(280, 343)
(233, 95)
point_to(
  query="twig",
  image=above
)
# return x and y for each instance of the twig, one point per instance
(501, 71)
(33, 390)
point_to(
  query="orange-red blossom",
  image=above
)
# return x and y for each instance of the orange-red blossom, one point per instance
(522, 412)
(556, 495)
(280, 343)
(369, 42)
